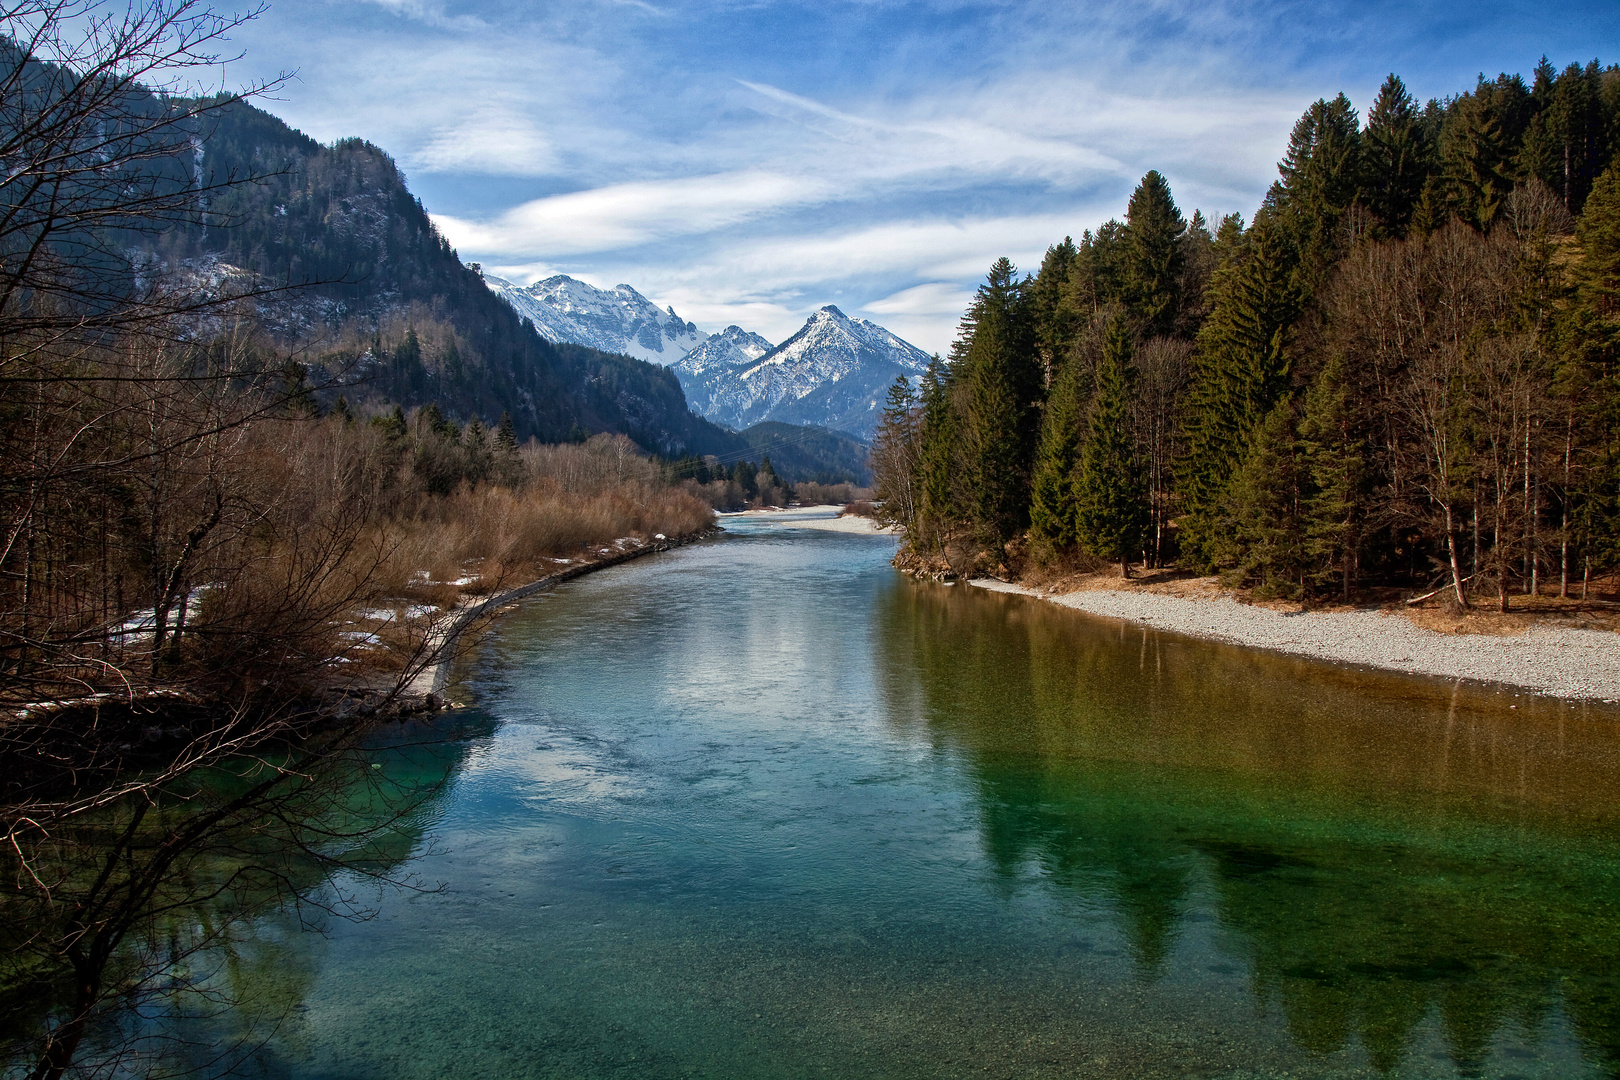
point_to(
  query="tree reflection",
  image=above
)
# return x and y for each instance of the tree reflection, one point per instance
(1372, 849)
(165, 934)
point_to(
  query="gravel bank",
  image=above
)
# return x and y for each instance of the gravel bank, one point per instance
(814, 517)
(1561, 661)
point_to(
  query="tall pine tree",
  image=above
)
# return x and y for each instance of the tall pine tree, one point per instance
(1398, 159)
(1052, 492)
(1111, 509)
(1002, 378)
(1153, 253)
(1241, 369)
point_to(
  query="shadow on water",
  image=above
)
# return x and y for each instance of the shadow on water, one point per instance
(1377, 850)
(215, 956)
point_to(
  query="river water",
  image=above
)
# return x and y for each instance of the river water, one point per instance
(762, 807)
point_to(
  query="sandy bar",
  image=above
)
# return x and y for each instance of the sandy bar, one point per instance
(814, 517)
(1562, 661)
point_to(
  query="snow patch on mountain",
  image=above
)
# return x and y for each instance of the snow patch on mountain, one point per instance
(617, 320)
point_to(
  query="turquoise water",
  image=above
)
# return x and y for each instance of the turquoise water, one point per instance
(762, 807)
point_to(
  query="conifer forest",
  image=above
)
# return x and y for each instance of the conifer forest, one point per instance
(1401, 371)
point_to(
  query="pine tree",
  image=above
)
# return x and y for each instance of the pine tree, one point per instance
(1052, 507)
(1241, 369)
(1336, 469)
(1397, 158)
(1153, 257)
(1111, 509)
(1265, 538)
(506, 434)
(1002, 377)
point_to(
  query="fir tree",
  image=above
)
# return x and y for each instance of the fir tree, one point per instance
(1052, 506)
(1002, 378)
(506, 434)
(1336, 469)
(1265, 536)
(1241, 369)
(1397, 158)
(1153, 256)
(1111, 510)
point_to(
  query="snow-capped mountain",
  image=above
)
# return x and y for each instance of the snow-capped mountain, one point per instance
(833, 373)
(712, 366)
(619, 320)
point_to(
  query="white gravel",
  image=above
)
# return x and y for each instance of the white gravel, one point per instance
(814, 517)
(1558, 660)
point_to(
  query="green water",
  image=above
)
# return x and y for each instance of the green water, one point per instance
(764, 808)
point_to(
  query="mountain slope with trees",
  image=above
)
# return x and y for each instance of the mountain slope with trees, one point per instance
(378, 298)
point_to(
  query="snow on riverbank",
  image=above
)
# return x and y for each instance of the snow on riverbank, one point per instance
(1559, 660)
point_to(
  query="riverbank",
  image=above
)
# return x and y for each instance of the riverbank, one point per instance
(422, 691)
(799, 518)
(1562, 661)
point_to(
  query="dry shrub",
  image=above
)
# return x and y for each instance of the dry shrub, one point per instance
(493, 535)
(858, 508)
(810, 493)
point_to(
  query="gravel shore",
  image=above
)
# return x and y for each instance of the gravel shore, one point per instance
(814, 517)
(1562, 661)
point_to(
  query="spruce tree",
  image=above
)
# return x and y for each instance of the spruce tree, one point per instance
(1052, 309)
(1052, 506)
(1335, 463)
(1264, 540)
(1002, 378)
(1321, 178)
(1397, 159)
(1153, 258)
(1593, 335)
(1111, 510)
(938, 508)
(1241, 369)
(1476, 159)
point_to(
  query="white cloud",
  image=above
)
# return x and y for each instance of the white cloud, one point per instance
(625, 215)
(490, 140)
(930, 298)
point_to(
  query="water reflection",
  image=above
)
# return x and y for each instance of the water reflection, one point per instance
(202, 899)
(764, 809)
(1376, 850)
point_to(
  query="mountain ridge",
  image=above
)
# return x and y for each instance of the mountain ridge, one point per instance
(617, 320)
(832, 374)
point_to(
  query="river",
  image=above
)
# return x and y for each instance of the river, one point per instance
(762, 807)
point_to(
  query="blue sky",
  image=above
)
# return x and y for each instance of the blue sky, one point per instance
(748, 162)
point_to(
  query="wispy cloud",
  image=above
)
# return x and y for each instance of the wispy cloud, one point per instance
(749, 160)
(624, 215)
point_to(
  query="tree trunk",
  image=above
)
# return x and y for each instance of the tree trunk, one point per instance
(1451, 550)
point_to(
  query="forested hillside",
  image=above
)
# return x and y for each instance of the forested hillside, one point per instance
(1401, 371)
(380, 300)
